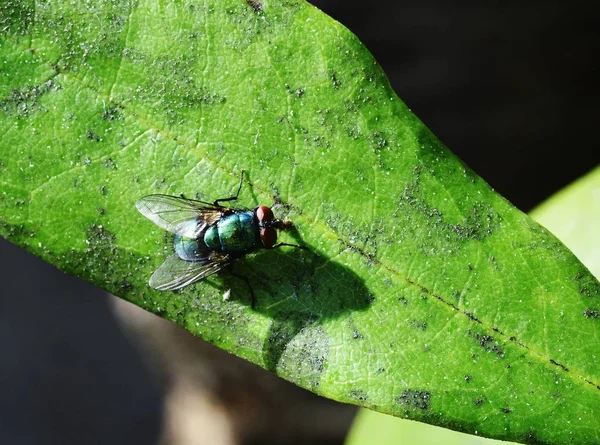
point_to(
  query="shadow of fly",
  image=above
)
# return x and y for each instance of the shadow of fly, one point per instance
(208, 236)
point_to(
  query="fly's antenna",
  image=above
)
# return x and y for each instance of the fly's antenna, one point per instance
(280, 225)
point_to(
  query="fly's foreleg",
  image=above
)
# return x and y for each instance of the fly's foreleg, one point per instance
(289, 245)
(234, 197)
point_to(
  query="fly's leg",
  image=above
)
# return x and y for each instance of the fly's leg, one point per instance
(232, 198)
(289, 245)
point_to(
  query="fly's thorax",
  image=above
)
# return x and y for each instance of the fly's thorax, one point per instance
(239, 232)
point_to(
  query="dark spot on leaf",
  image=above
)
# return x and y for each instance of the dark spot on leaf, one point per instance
(416, 399)
(379, 140)
(334, 81)
(506, 410)
(421, 325)
(255, 5)
(350, 106)
(16, 16)
(488, 343)
(26, 100)
(363, 96)
(16, 232)
(355, 333)
(468, 378)
(379, 144)
(112, 112)
(100, 260)
(591, 313)
(589, 286)
(102, 190)
(100, 240)
(585, 291)
(355, 133)
(513, 339)
(109, 163)
(532, 439)
(479, 401)
(478, 222)
(92, 136)
(359, 395)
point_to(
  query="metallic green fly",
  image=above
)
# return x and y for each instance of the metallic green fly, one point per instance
(208, 236)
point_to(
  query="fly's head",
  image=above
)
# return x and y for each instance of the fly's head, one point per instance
(268, 225)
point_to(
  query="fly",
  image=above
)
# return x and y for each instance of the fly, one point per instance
(208, 236)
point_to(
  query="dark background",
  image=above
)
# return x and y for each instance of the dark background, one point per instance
(512, 89)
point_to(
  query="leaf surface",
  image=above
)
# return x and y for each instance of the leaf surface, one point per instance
(423, 293)
(573, 215)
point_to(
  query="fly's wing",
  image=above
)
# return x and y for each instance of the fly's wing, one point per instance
(176, 273)
(180, 216)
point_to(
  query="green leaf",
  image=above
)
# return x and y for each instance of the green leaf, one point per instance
(424, 294)
(371, 427)
(573, 215)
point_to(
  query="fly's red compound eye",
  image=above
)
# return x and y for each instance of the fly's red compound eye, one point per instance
(264, 213)
(268, 235)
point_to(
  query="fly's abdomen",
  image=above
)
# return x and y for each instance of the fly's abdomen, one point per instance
(211, 238)
(238, 232)
(189, 249)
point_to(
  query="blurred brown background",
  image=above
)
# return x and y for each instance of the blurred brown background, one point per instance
(510, 87)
